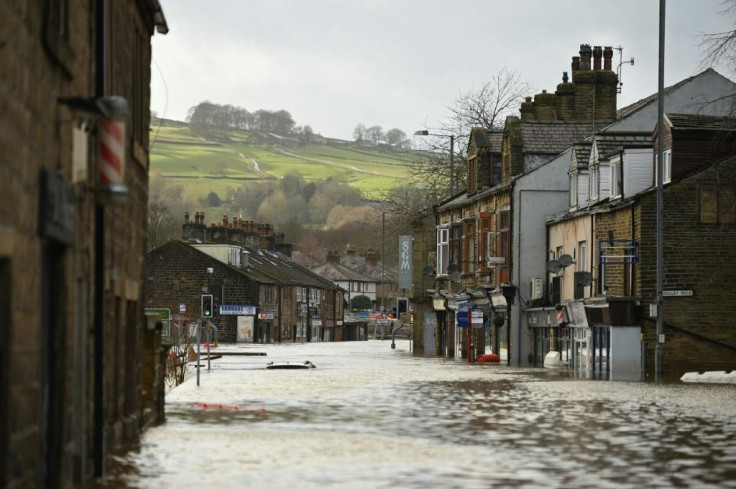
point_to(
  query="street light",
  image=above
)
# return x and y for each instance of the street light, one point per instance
(509, 292)
(424, 132)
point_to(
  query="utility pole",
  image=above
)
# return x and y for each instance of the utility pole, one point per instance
(659, 357)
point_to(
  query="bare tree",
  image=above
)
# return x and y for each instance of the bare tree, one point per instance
(720, 47)
(486, 106)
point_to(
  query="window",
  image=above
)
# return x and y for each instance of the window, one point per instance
(582, 258)
(472, 174)
(594, 182)
(503, 246)
(717, 204)
(456, 242)
(488, 239)
(496, 170)
(667, 170)
(268, 293)
(469, 256)
(617, 181)
(573, 189)
(443, 250)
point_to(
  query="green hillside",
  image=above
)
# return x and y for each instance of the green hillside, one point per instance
(205, 166)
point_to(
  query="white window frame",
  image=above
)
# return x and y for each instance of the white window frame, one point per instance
(582, 258)
(617, 181)
(573, 190)
(443, 243)
(667, 170)
(594, 182)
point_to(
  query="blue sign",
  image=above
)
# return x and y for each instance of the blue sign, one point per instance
(463, 311)
(227, 310)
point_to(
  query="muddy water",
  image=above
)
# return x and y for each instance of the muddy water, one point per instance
(372, 417)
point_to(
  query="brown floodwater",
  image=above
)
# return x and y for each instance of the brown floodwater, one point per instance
(372, 417)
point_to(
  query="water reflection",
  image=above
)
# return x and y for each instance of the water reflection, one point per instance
(373, 417)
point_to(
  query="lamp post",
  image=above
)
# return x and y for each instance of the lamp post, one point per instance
(424, 132)
(509, 293)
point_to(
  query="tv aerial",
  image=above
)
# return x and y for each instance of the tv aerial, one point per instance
(455, 277)
(428, 271)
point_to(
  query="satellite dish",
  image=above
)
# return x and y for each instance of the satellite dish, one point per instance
(583, 278)
(452, 268)
(554, 266)
(565, 261)
(455, 277)
(428, 271)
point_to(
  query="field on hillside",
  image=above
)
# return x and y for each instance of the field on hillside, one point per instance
(204, 166)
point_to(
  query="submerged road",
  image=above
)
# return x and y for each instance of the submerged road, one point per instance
(372, 417)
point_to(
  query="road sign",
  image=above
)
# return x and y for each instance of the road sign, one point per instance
(677, 293)
(162, 313)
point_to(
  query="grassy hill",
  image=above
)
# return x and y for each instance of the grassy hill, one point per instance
(205, 166)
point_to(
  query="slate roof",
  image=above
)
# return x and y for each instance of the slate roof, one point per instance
(495, 140)
(582, 152)
(630, 109)
(552, 137)
(611, 142)
(336, 271)
(285, 271)
(701, 122)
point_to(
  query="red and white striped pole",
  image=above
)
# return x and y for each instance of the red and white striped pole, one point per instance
(112, 142)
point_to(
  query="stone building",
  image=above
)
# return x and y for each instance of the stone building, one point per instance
(76, 379)
(259, 294)
(475, 232)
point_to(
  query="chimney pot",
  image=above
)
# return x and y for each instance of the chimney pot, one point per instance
(607, 56)
(564, 77)
(597, 53)
(528, 99)
(585, 53)
(186, 218)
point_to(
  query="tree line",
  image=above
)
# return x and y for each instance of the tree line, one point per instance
(211, 120)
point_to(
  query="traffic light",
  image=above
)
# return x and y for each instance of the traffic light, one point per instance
(402, 305)
(208, 305)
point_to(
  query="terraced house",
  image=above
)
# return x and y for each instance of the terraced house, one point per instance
(80, 370)
(479, 232)
(259, 294)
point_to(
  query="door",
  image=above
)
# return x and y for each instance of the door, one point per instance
(245, 329)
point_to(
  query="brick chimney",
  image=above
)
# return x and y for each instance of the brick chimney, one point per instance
(527, 109)
(333, 257)
(371, 258)
(575, 67)
(565, 99)
(545, 105)
(194, 231)
(224, 220)
(349, 250)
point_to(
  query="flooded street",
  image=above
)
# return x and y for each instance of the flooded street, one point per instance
(372, 417)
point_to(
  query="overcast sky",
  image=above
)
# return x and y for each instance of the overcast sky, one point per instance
(400, 63)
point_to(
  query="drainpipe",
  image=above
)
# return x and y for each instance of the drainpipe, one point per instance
(101, 83)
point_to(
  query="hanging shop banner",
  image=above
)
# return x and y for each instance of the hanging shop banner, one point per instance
(405, 261)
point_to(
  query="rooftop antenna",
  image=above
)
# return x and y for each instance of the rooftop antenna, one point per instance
(621, 62)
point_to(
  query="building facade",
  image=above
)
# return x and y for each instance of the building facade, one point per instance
(80, 369)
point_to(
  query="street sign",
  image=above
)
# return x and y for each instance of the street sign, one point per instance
(154, 315)
(677, 293)
(183, 307)
(406, 265)
(163, 314)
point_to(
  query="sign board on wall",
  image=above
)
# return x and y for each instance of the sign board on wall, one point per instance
(477, 318)
(232, 310)
(406, 266)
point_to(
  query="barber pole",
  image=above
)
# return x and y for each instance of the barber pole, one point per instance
(112, 151)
